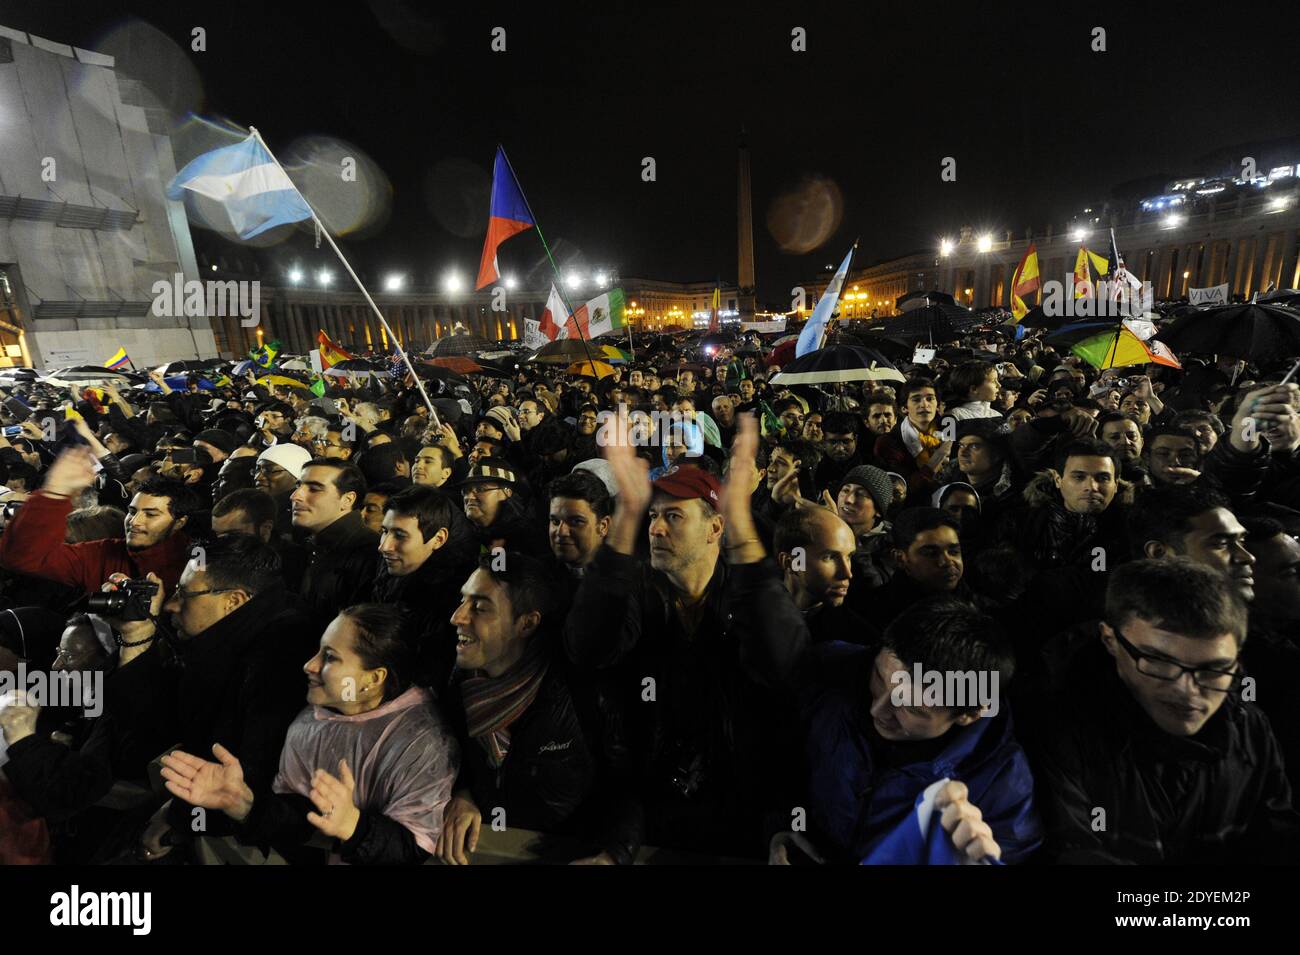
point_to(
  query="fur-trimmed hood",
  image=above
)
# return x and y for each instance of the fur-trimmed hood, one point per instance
(1041, 490)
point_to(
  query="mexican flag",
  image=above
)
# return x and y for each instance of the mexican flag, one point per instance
(600, 316)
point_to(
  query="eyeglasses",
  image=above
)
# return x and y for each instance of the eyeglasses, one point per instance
(477, 489)
(184, 594)
(1207, 678)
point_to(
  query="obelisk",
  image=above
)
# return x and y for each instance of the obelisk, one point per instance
(745, 237)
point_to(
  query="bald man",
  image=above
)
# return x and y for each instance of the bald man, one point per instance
(814, 548)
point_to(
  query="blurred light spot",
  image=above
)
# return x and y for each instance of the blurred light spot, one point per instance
(803, 218)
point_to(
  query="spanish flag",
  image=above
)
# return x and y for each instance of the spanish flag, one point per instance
(1024, 282)
(1083, 286)
(330, 354)
(1082, 276)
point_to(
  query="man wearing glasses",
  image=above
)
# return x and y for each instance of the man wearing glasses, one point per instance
(1161, 755)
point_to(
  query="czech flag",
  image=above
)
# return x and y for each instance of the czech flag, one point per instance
(509, 216)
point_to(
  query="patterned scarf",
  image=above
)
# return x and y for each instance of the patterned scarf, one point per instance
(492, 704)
(918, 443)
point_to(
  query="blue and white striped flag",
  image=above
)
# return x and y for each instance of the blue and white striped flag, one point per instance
(810, 339)
(255, 192)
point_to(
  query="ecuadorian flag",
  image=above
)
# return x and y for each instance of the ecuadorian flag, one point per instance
(118, 361)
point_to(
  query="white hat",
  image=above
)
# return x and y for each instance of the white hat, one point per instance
(288, 456)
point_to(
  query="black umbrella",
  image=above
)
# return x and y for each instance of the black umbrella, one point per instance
(1282, 296)
(565, 351)
(940, 322)
(361, 364)
(838, 363)
(1037, 318)
(895, 349)
(462, 344)
(1252, 331)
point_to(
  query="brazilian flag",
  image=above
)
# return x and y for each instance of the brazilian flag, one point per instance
(264, 356)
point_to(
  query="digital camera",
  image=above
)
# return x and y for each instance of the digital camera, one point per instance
(130, 601)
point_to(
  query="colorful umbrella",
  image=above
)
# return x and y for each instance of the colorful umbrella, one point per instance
(596, 369)
(611, 354)
(269, 380)
(1118, 349)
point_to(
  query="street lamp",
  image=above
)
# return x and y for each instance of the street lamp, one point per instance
(985, 243)
(1078, 235)
(295, 276)
(945, 247)
(324, 277)
(451, 282)
(510, 281)
(393, 283)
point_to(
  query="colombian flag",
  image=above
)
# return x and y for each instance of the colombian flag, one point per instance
(1024, 282)
(508, 216)
(118, 361)
(330, 354)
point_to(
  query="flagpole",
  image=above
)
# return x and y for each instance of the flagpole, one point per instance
(830, 319)
(559, 280)
(375, 308)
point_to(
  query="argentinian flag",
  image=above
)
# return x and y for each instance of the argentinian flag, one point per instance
(256, 193)
(810, 339)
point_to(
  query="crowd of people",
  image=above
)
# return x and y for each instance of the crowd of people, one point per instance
(679, 608)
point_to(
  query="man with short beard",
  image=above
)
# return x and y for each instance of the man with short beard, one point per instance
(711, 637)
(154, 540)
(580, 511)
(841, 440)
(1123, 433)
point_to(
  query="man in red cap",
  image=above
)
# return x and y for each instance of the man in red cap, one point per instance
(692, 646)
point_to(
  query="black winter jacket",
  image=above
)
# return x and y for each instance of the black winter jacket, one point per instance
(1219, 796)
(342, 568)
(709, 739)
(241, 684)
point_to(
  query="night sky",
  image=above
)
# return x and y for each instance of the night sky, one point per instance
(1039, 124)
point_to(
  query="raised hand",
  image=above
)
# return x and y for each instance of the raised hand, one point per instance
(335, 800)
(71, 473)
(631, 472)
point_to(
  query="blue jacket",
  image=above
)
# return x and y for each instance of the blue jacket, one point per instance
(854, 806)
